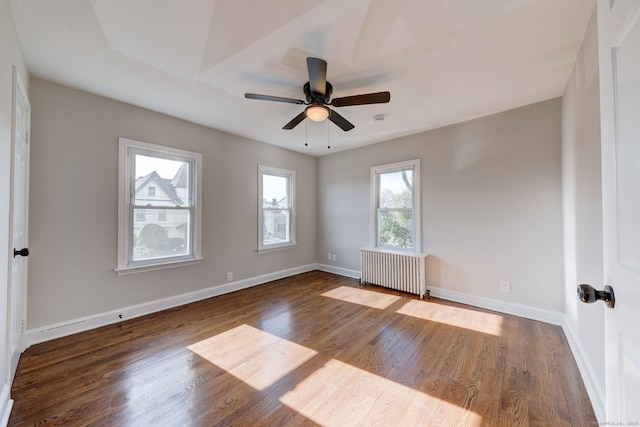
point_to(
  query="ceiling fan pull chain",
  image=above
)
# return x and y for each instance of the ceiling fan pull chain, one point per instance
(328, 135)
(306, 134)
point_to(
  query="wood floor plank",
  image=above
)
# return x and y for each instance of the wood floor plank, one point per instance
(314, 349)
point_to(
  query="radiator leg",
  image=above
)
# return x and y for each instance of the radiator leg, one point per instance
(427, 294)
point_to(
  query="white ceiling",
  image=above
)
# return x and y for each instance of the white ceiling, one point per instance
(444, 61)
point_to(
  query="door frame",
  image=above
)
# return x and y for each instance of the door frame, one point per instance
(17, 315)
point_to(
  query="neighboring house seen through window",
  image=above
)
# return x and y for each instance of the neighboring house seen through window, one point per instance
(276, 223)
(395, 200)
(159, 188)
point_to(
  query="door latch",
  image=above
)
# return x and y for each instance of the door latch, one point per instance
(588, 294)
(21, 252)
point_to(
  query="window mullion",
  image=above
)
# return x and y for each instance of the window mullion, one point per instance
(170, 207)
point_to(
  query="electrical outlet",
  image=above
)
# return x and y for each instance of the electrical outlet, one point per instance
(333, 257)
(505, 286)
(229, 276)
(329, 256)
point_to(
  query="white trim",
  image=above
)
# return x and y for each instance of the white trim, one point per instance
(6, 403)
(149, 267)
(126, 183)
(291, 195)
(373, 208)
(69, 327)
(19, 312)
(589, 378)
(395, 251)
(277, 248)
(521, 310)
(542, 315)
(354, 274)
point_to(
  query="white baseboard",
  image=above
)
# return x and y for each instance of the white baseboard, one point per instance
(521, 310)
(354, 274)
(547, 316)
(73, 326)
(594, 390)
(5, 405)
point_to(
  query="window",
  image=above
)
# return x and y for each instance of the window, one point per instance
(395, 200)
(276, 216)
(172, 177)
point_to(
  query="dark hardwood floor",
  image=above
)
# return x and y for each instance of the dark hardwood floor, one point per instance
(313, 349)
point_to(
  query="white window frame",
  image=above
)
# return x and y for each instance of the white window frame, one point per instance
(414, 166)
(291, 176)
(127, 149)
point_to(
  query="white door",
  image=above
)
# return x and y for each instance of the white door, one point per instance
(19, 199)
(619, 48)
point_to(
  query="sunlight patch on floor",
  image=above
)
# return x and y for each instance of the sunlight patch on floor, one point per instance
(366, 399)
(253, 356)
(362, 297)
(485, 323)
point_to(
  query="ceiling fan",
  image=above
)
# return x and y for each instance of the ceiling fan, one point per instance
(318, 93)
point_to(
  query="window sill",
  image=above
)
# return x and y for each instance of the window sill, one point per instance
(276, 248)
(123, 271)
(385, 250)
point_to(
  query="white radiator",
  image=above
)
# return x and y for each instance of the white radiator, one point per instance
(396, 270)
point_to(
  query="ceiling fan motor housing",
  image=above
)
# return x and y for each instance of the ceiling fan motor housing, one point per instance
(317, 98)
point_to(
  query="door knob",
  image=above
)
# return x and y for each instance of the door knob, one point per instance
(21, 252)
(587, 293)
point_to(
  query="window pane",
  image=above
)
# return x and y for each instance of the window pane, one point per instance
(276, 227)
(154, 240)
(161, 182)
(396, 189)
(275, 192)
(396, 228)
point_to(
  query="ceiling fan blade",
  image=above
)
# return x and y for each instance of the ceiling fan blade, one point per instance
(272, 98)
(340, 121)
(295, 122)
(317, 75)
(368, 98)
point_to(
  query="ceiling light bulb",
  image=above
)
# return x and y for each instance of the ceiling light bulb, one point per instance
(317, 113)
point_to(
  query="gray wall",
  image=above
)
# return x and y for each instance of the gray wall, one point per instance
(491, 204)
(73, 211)
(582, 194)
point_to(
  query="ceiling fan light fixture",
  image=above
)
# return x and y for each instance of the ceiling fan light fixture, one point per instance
(317, 113)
